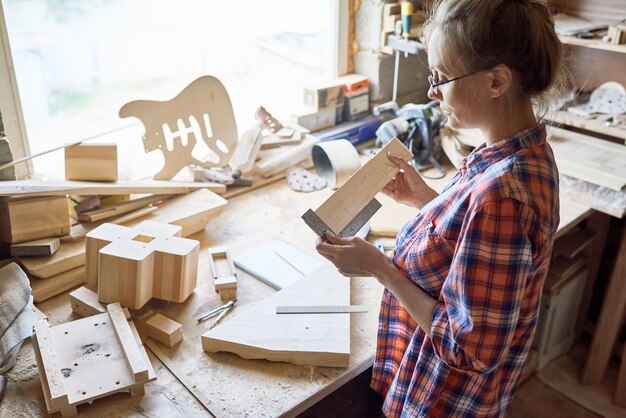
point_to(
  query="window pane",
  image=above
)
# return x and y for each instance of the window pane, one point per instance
(77, 62)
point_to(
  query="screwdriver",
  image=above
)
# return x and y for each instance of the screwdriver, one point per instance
(406, 11)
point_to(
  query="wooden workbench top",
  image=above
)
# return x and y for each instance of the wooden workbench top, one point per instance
(223, 383)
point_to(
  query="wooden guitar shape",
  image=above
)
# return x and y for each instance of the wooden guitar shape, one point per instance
(202, 111)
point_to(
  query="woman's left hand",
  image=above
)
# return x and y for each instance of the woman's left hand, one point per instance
(353, 257)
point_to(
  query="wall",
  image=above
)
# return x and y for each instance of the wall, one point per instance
(378, 67)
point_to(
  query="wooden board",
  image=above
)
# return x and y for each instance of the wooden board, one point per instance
(260, 333)
(69, 256)
(91, 162)
(82, 360)
(45, 289)
(132, 353)
(343, 206)
(119, 209)
(205, 106)
(45, 246)
(26, 219)
(84, 188)
(590, 159)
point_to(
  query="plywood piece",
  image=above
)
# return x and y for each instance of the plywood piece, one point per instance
(134, 360)
(82, 360)
(590, 159)
(125, 273)
(149, 230)
(45, 246)
(164, 330)
(192, 211)
(201, 112)
(33, 188)
(224, 273)
(85, 302)
(27, 219)
(317, 339)
(92, 162)
(119, 209)
(175, 268)
(97, 239)
(345, 204)
(55, 285)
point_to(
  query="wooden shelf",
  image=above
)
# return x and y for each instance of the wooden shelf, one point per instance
(592, 125)
(593, 43)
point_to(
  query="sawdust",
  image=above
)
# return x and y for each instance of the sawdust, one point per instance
(25, 368)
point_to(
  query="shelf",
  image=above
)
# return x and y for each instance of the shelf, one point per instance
(593, 43)
(592, 125)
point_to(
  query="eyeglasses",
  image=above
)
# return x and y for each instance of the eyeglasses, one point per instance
(436, 83)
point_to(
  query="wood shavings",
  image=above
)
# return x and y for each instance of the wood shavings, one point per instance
(302, 180)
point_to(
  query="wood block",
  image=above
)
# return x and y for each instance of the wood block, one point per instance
(70, 255)
(164, 330)
(45, 289)
(94, 162)
(98, 238)
(149, 230)
(49, 367)
(27, 219)
(45, 246)
(314, 339)
(175, 268)
(132, 355)
(125, 273)
(224, 273)
(85, 302)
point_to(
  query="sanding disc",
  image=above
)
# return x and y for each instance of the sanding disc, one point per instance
(609, 98)
(302, 180)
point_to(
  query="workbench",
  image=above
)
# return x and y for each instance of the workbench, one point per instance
(223, 384)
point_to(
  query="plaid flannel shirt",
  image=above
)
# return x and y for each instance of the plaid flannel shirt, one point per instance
(482, 249)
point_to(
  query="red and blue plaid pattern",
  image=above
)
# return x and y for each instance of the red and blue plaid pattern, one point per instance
(482, 248)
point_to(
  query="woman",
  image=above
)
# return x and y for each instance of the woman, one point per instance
(462, 289)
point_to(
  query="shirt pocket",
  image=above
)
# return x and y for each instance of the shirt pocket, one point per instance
(427, 259)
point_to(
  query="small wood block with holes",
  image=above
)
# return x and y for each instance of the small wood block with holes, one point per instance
(97, 239)
(88, 359)
(44, 246)
(224, 273)
(175, 268)
(94, 162)
(85, 302)
(149, 230)
(164, 330)
(125, 273)
(31, 218)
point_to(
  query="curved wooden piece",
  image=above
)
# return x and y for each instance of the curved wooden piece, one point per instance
(202, 111)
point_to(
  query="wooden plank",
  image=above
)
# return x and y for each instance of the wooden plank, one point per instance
(164, 330)
(608, 327)
(260, 333)
(132, 355)
(84, 188)
(45, 289)
(343, 206)
(49, 368)
(85, 302)
(91, 162)
(26, 219)
(69, 256)
(45, 246)
(120, 209)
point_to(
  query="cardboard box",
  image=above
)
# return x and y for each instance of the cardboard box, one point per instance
(315, 120)
(321, 96)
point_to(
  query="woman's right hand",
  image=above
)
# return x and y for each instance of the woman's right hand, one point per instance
(408, 187)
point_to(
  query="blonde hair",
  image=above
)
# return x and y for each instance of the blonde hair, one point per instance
(480, 34)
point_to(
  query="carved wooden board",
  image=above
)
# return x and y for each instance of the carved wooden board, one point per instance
(201, 112)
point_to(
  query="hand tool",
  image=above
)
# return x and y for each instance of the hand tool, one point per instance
(221, 310)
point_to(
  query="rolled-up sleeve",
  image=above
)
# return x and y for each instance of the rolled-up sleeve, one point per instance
(479, 305)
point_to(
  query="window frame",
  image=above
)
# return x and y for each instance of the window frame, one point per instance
(11, 106)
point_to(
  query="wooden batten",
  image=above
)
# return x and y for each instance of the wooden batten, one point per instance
(164, 330)
(91, 162)
(85, 302)
(70, 255)
(175, 268)
(45, 289)
(149, 230)
(97, 239)
(132, 354)
(55, 393)
(224, 273)
(125, 273)
(27, 219)
(45, 246)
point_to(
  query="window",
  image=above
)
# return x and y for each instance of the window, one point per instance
(77, 62)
